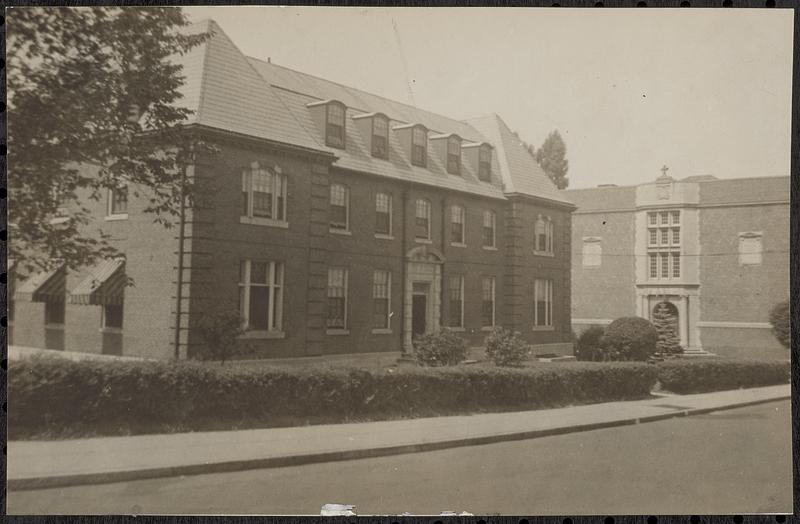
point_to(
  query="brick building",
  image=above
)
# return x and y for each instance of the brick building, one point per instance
(334, 220)
(717, 251)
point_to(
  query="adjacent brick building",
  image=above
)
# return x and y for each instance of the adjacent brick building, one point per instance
(717, 251)
(334, 221)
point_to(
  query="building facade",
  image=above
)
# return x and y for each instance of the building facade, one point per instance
(715, 251)
(332, 220)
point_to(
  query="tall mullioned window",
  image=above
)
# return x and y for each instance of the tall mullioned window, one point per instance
(381, 298)
(487, 303)
(383, 214)
(457, 215)
(543, 303)
(456, 293)
(261, 294)
(340, 207)
(422, 219)
(664, 245)
(489, 227)
(337, 298)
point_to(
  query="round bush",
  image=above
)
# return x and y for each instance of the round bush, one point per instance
(630, 338)
(780, 319)
(588, 344)
(443, 348)
(506, 348)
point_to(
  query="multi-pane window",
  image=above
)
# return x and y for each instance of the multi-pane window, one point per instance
(543, 231)
(457, 224)
(454, 155)
(419, 146)
(489, 226)
(750, 249)
(487, 302)
(422, 219)
(380, 137)
(543, 302)
(261, 295)
(381, 298)
(485, 163)
(334, 129)
(264, 194)
(383, 214)
(340, 207)
(118, 200)
(112, 316)
(54, 313)
(456, 295)
(664, 244)
(337, 298)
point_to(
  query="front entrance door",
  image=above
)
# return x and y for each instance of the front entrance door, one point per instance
(419, 310)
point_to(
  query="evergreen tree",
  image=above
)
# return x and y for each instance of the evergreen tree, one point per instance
(552, 157)
(665, 323)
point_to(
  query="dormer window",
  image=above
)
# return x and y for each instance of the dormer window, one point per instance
(485, 163)
(334, 128)
(454, 155)
(380, 137)
(419, 146)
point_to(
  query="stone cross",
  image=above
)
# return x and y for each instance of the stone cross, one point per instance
(664, 170)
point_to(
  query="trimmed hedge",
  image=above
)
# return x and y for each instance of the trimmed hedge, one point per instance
(710, 374)
(53, 397)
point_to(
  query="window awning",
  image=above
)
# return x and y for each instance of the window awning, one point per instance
(47, 286)
(104, 286)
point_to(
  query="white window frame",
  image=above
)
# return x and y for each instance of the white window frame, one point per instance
(752, 258)
(424, 145)
(493, 288)
(592, 252)
(426, 204)
(543, 287)
(338, 330)
(389, 199)
(453, 148)
(278, 196)
(110, 213)
(328, 108)
(665, 225)
(275, 287)
(385, 136)
(458, 212)
(460, 279)
(331, 227)
(492, 216)
(387, 326)
(543, 224)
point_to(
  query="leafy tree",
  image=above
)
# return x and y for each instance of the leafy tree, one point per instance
(92, 98)
(552, 157)
(780, 318)
(220, 332)
(665, 322)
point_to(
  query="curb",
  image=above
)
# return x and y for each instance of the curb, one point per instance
(32, 483)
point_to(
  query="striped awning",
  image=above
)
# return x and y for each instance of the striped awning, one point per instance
(47, 286)
(104, 286)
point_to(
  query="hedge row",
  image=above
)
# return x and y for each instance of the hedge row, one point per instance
(710, 374)
(52, 397)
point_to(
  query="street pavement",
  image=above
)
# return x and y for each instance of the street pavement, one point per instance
(735, 461)
(38, 464)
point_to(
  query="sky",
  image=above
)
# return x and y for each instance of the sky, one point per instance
(702, 91)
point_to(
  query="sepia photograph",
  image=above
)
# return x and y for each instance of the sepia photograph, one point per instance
(438, 261)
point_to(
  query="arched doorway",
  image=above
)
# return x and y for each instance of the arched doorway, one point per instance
(423, 291)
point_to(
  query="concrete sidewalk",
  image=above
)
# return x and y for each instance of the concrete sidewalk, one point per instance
(37, 464)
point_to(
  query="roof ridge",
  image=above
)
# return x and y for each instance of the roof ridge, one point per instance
(412, 106)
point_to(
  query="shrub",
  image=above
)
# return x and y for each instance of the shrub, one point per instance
(220, 332)
(443, 348)
(630, 338)
(780, 318)
(506, 348)
(711, 374)
(666, 325)
(588, 344)
(53, 397)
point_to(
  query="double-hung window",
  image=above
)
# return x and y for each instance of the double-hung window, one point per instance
(489, 225)
(381, 298)
(457, 225)
(340, 208)
(543, 303)
(454, 155)
(383, 214)
(335, 125)
(380, 137)
(118, 201)
(263, 196)
(543, 230)
(419, 146)
(261, 295)
(488, 304)
(422, 219)
(456, 290)
(485, 163)
(337, 298)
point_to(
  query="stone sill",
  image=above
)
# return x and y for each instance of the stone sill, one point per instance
(258, 221)
(258, 335)
(384, 236)
(543, 254)
(345, 232)
(458, 244)
(382, 331)
(337, 332)
(111, 218)
(490, 248)
(544, 328)
(423, 241)
(110, 330)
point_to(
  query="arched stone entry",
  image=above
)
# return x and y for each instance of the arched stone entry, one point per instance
(422, 294)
